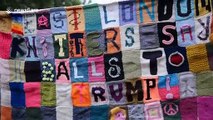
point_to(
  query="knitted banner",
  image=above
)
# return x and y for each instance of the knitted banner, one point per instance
(130, 60)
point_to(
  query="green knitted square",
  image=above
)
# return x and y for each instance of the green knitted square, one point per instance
(48, 94)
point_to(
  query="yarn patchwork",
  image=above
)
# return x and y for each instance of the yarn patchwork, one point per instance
(127, 60)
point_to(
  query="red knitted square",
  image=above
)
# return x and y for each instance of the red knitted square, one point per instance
(5, 40)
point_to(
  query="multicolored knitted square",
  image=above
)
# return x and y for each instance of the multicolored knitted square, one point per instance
(168, 87)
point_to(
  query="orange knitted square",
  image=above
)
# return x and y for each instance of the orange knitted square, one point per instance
(77, 44)
(112, 37)
(75, 18)
(81, 95)
(150, 89)
(6, 113)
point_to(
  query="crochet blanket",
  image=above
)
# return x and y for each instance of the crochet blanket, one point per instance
(129, 60)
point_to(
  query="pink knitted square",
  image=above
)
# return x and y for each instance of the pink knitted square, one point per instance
(5, 40)
(32, 94)
(96, 69)
(62, 70)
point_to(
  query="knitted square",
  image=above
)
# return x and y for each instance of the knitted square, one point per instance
(61, 45)
(62, 70)
(147, 11)
(80, 94)
(92, 17)
(153, 111)
(5, 71)
(5, 95)
(32, 71)
(171, 110)
(18, 113)
(184, 9)
(168, 13)
(186, 32)
(29, 23)
(202, 28)
(113, 67)
(112, 40)
(168, 87)
(116, 92)
(64, 113)
(59, 20)
(6, 41)
(167, 34)
(118, 112)
(98, 93)
(204, 104)
(134, 90)
(204, 83)
(127, 12)
(33, 114)
(48, 70)
(79, 69)
(188, 108)
(76, 18)
(43, 20)
(95, 42)
(176, 60)
(44, 43)
(109, 14)
(16, 68)
(17, 23)
(131, 64)
(209, 49)
(18, 48)
(197, 58)
(136, 112)
(153, 62)
(149, 36)
(63, 94)
(6, 113)
(5, 22)
(17, 94)
(81, 113)
(48, 94)
(32, 94)
(32, 48)
(48, 113)
(150, 89)
(99, 112)
(187, 84)
(96, 69)
(77, 45)
(202, 9)
(130, 37)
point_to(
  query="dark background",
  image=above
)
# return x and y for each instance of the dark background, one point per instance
(35, 4)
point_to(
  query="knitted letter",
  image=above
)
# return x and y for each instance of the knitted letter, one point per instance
(134, 91)
(167, 34)
(61, 45)
(184, 9)
(127, 12)
(79, 69)
(147, 11)
(150, 89)
(202, 7)
(77, 44)
(165, 9)
(113, 67)
(112, 40)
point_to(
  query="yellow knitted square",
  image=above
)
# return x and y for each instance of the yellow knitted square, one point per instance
(197, 58)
